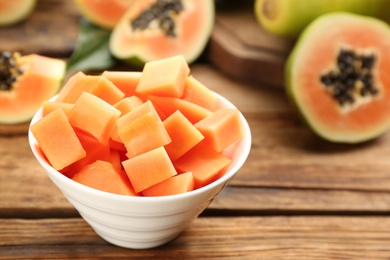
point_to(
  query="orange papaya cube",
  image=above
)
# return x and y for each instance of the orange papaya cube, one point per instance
(128, 104)
(125, 105)
(101, 175)
(177, 184)
(142, 130)
(57, 139)
(149, 168)
(221, 128)
(168, 105)
(183, 134)
(126, 81)
(196, 92)
(205, 163)
(164, 77)
(94, 151)
(97, 85)
(94, 116)
(49, 106)
(73, 88)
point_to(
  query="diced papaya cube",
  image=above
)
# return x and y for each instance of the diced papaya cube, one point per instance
(221, 128)
(57, 139)
(97, 85)
(183, 134)
(142, 130)
(125, 105)
(196, 92)
(73, 88)
(101, 175)
(148, 169)
(49, 106)
(94, 151)
(164, 77)
(128, 104)
(177, 184)
(126, 81)
(168, 105)
(106, 90)
(94, 116)
(205, 163)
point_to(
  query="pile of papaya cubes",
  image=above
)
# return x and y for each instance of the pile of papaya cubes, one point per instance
(155, 132)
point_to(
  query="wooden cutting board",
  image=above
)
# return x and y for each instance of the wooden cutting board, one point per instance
(240, 47)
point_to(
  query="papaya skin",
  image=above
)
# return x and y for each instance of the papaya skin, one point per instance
(369, 125)
(15, 11)
(288, 18)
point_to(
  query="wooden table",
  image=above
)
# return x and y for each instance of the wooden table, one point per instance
(297, 196)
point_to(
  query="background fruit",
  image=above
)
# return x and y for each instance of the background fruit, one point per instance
(337, 75)
(290, 17)
(14, 11)
(152, 30)
(103, 13)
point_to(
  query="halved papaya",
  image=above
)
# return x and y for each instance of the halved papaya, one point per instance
(337, 75)
(12, 12)
(156, 29)
(103, 13)
(25, 82)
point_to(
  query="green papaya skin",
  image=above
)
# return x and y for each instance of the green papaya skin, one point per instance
(288, 18)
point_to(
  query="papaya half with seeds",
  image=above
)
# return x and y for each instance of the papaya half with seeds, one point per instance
(14, 11)
(338, 77)
(25, 82)
(157, 29)
(105, 13)
(289, 17)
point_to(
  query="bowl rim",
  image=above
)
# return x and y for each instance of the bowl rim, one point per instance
(245, 142)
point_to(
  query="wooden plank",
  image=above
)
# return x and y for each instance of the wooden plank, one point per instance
(250, 54)
(238, 237)
(42, 34)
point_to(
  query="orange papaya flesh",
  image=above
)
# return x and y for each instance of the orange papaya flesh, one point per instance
(103, 176)
(94, 116)
(142, 130)
(58, 140)
(338, 79)
(156, 141)
(177, 184)
(97, 85)
(103, 13)
(49, 106)
(143, 174)
(25, 82)
(168, 105)
(164, 77)
(126, 81)
(222, 128)
(197, 93)
(183, 28)
(124, 106)
(183, 134)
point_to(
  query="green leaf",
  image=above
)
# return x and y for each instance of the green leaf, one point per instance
(91, 51)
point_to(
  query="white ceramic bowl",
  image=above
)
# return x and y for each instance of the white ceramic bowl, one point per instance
(142, 222)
